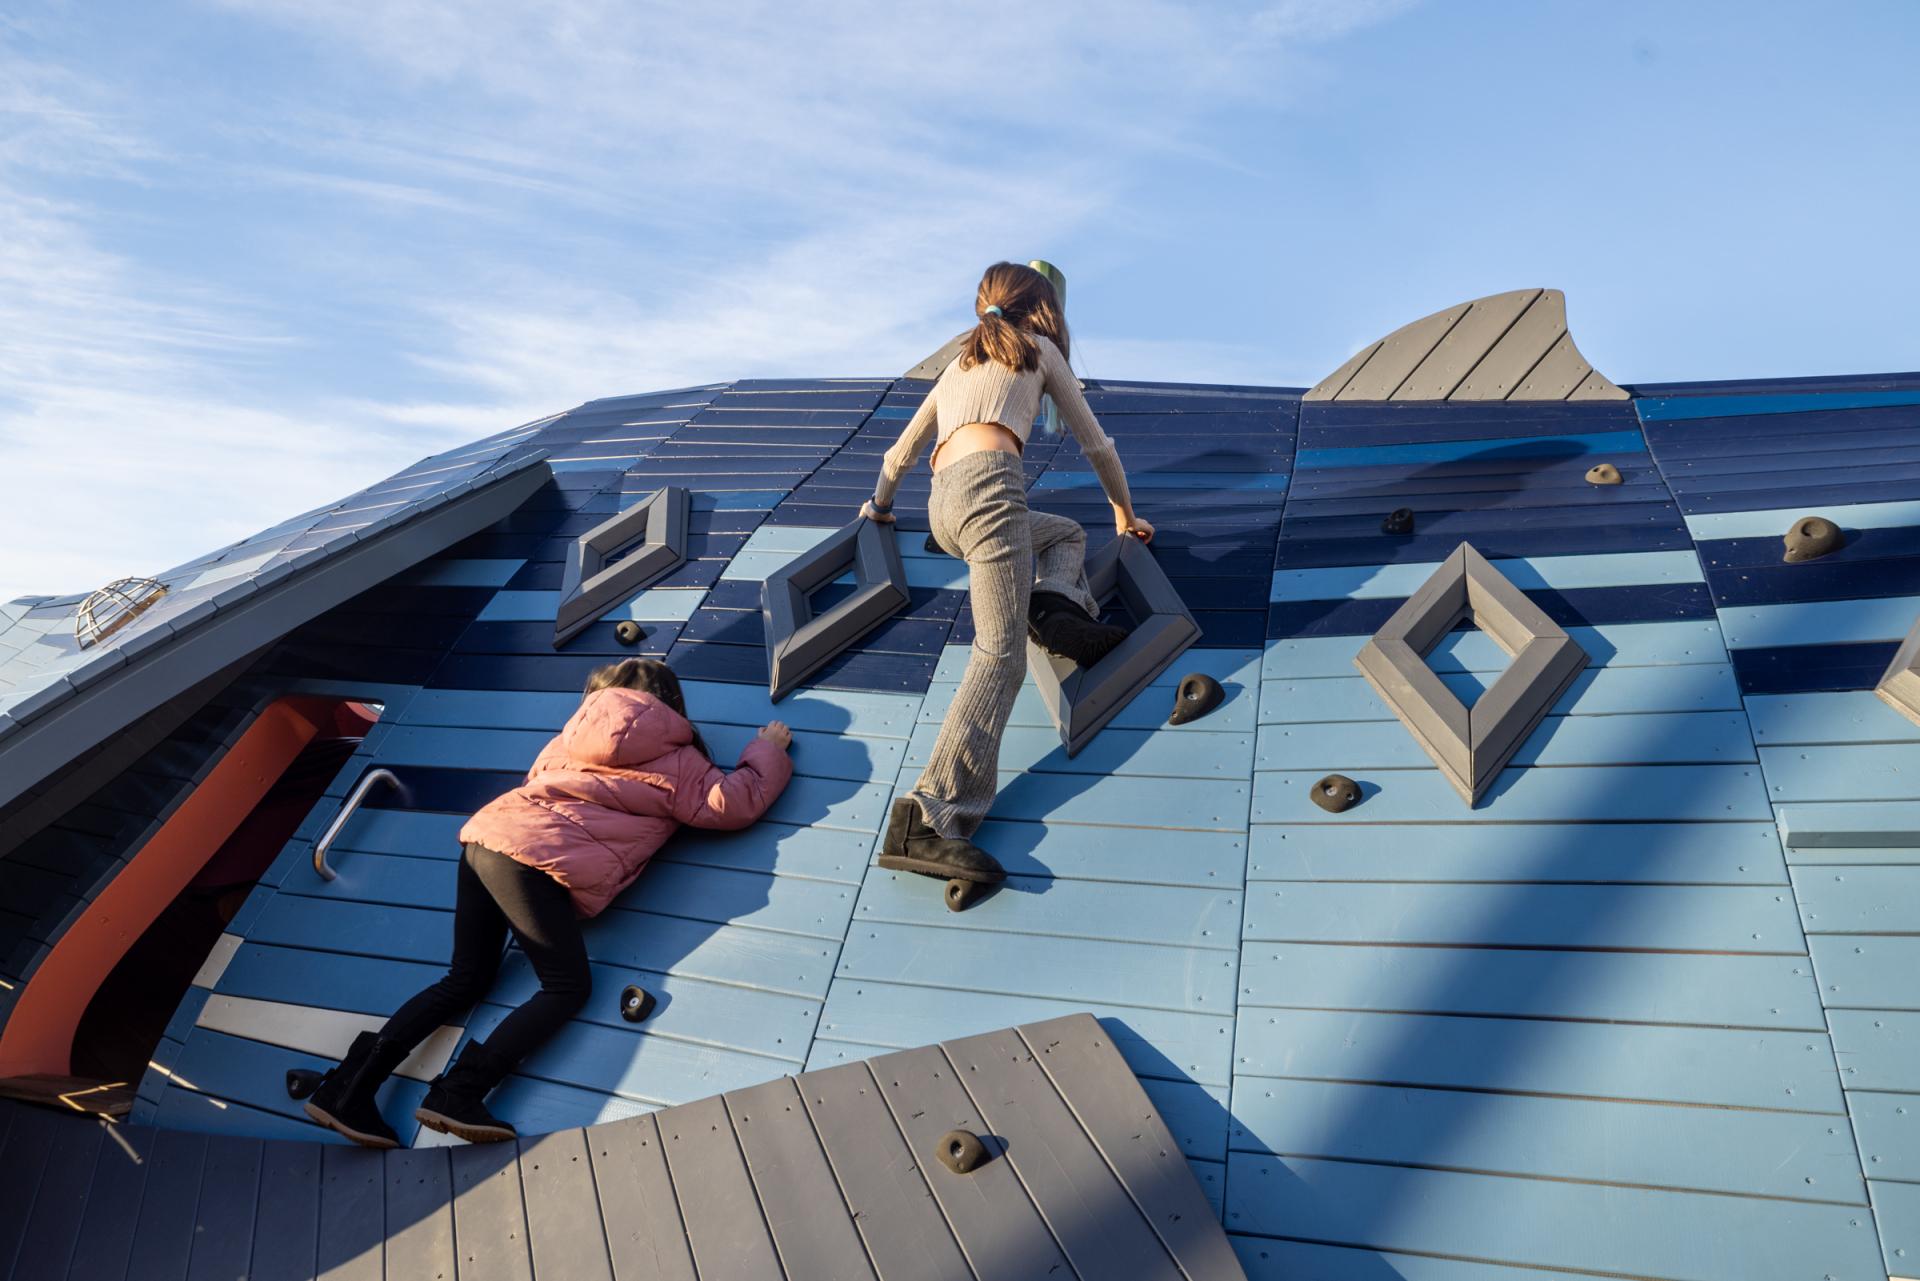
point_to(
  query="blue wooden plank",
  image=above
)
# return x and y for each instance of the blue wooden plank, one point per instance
(1267, 1259)
(1780, 584)
(1714, 1066)
(663, 605)
(1363, 582)
(831, 711)
(1858, 900)
(780, 848)
(1811, 496)
(1597, 794)
(821, 755)
(1590, 606)
(1896, 1212)
(1867, 972)
(1779, 1154)
(1161, 803)
(1113, 751)
(1877, 772)
(1851, 717)
(1861, 545)
(1154, 1042)
(1641, 853)
(1877, 1048)
(1548, 1223)
(1072, 852)
(1697, 687)
(298, 976)
(1614, 645)
(854, 669)
(1654, 527)
(1661, 918)
(1773, 522)
(1440, 451)
(1795, 669)
(1677, 408)
(1228, 666)
(1148, 710)
(445, 571)
(1659, 738)
(764, 959)
(252, 1073)
(1820, 622)
(1887, 1128)
(1168, 915)
(1146, 479)
(1617, 987)
(785, 904)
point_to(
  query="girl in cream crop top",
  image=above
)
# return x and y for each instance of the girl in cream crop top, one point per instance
(992, 393)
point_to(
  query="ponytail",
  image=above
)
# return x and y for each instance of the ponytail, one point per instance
(1014, 303)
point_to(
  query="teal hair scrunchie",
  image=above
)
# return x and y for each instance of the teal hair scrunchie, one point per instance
(993, 311)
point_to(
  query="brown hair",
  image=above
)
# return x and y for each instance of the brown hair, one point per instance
(1028, 306)
(649, 676)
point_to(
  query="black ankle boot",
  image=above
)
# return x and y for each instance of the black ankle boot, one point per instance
(456, 1099)
(1061, 627)
(343, 1101)
(912, 846)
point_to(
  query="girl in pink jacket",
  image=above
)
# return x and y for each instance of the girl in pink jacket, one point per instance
(620, 778)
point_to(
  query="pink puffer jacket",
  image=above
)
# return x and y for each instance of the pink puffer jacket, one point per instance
(607, 792)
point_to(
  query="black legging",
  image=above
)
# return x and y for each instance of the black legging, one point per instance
(495, 894)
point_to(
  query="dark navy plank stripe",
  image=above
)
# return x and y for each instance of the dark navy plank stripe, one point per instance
(1800, 669)
(1580, 607)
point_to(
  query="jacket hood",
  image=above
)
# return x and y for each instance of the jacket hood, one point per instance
(623, 727)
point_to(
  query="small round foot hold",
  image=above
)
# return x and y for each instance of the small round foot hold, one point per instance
(636, 1003)
(959, 1151)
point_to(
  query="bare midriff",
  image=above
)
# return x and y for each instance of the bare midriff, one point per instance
(975, 438)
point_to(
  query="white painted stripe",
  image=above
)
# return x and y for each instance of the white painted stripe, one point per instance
(313, 1030)
(1362, 582)
(1826, 622)
(217, 960)
(1775, 520)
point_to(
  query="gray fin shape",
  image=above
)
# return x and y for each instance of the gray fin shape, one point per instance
(1082, 702)
(800, 643)
(590, 585)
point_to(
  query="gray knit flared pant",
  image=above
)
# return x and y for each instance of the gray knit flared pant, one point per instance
(979, 513)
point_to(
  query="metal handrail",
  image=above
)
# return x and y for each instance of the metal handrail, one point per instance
(354, 798)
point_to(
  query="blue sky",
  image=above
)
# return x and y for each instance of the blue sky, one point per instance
(255, 254)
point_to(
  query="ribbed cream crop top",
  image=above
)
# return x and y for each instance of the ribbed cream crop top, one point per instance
(992, 393)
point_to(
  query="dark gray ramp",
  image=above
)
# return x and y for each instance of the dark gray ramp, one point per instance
(829, 1174)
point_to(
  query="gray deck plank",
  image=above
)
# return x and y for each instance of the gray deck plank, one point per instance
(163, 1236)
(419, 1199)
(1079, 1058)
(28, 1143)
(798, 1193)
(724, 1222)
(637, 1204)
(353, 1217)
(47, 1247)
(906, 1234)
(563, 1215)
(113, 1206)
(489, 1214)
(994, 1220)
(286, 1223)
(1089, 1211)
(224, 1211)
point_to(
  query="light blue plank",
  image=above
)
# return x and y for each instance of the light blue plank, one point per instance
(1367, 582)
(1266, 1259)
(1546, 1223)
(921, 571)
(1163, 914)
(1867, 972)
(460, 573)
(493, 749)
(1196, 1115)
(1163, 803)
(408, 934)
(1675, 853)
(1595, 794)
(1113, 751)
(647, 1069)
(1879, 772)
(416, 833)
(1625, 987)
(1662, 738)
(1163, 1043)
(1782, 1154)
(1893, 856)
(1858, 900)
(1817, 826)
(1609, 645)
(1673, 918)
(712, 703)
(655, 605)
(1696, 687)
(1228, 666)
(254, 1073)
(1072, 852)
(781, 848)
(1825, 622)
(1670, 408)
(1896, 1209)
(379, 878)
(1148, 710)
(1887, 1128)
(1877, 1049)
(816, 753)
(1775, 521)
(787, 904)
(1062, 969)
(1223, 482)
(1728, 1068)
(1849, 716)
(775, 962)
(1446, 451)
(533, 1106)
(832, 803)
(297, 976)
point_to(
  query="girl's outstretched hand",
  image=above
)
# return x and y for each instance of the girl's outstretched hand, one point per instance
(874, 514)
(777, 733)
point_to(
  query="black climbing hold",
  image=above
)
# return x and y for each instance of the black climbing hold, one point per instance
(1198, 694)
(960, 1152)
(962, 895)
(1398, 521)
(302, 1081)
(933, 545)
(1336, 793)
(636, 1003)
(1603, 474)
(628, 632)
(1813, 537)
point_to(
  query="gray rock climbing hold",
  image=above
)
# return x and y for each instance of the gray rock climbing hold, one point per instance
(960, 1152)
(1398, 521)
(1336, 793)
(1198, 694)
(628, 632)
(1603, 474)
(1811, 538)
